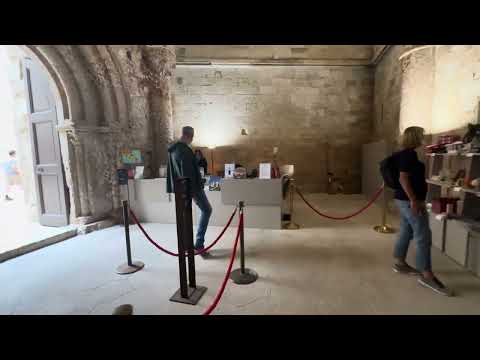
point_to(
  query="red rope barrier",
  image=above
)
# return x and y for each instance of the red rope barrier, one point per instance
(215, 302)
(375, 197)
(176, 254)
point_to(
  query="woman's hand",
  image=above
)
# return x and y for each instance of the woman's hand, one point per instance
(415, 206)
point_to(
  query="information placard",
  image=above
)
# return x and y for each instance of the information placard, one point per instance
(265, 171)
(229, 170)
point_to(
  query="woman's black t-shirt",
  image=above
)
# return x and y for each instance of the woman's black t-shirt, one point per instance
(407, 161)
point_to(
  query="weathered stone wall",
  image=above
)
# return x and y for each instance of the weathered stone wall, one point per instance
(275, 53)
(112, 96)
(318, 116)
(436, 87)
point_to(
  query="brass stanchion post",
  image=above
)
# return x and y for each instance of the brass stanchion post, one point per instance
(384, 228)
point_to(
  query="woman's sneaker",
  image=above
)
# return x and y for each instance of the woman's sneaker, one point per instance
(436, 285)
(405, 269)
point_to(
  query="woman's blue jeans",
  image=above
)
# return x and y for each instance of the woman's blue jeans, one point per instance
(414, 227)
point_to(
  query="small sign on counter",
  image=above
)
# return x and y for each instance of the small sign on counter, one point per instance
(229, 170)
(265, 171)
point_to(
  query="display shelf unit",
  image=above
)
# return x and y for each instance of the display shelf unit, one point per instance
(457, 235)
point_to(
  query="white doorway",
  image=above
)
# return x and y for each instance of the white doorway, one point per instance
(20, 209)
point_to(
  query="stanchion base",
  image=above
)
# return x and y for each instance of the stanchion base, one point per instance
(291, 226)
(194, 295)
(125, 269)
(248, 277)
(384, 229)
(125, 309)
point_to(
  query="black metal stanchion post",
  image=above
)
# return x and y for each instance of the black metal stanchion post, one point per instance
(243, 275)
(131, 266)
(189, 292)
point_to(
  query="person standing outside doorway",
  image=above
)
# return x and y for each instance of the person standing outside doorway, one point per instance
(414, 221)
(183, 163)
(12, 175)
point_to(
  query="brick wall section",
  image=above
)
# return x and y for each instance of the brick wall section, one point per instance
(318, 117)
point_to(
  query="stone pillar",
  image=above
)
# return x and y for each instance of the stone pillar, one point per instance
(158, 70)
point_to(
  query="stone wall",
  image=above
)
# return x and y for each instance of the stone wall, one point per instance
(359, 54)
(318, 116)
(436, 87)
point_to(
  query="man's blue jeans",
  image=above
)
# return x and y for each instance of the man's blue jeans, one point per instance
(203, 204)
(414, 227)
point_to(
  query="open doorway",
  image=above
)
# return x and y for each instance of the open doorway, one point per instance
(34, 209)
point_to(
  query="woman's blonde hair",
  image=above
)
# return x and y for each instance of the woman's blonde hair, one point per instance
(413, 137)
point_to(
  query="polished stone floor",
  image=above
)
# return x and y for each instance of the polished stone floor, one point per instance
(326, 267)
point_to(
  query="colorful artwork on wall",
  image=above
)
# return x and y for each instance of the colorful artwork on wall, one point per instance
(131, 157)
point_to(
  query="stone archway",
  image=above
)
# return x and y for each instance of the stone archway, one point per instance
(110, 96)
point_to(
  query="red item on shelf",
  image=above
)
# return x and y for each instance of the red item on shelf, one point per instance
(439, 206)
(447, 139)
(430, 149)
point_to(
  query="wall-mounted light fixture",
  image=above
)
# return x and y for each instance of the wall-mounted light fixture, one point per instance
(211, 148)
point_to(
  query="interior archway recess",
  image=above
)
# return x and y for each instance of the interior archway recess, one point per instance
(105, 101)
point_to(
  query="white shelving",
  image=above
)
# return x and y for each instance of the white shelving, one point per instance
(451, 186)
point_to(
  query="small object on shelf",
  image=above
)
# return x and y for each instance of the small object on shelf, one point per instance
(450, 209)
(253, 174)
(460, 204)
(229, 170)
(455, 147)
(139, 172)
(435, 149)
(163, 171)
(447, 139)
(240, 173)
(467, 183)
(460, 175)
(265, 171)
(440, 205)
(475, 183)
(472, 134)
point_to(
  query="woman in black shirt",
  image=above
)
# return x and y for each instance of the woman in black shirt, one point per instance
(414, 222)
(202, 162)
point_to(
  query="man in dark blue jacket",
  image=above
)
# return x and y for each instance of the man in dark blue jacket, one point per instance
(183, 163)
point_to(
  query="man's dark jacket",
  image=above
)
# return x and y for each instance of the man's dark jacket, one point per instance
(182, 163)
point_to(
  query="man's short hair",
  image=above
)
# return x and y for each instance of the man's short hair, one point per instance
(12, 153)
(187, 131)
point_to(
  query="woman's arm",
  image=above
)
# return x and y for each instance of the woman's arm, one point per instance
(407, 187)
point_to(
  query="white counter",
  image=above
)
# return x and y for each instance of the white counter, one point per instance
(263, 202)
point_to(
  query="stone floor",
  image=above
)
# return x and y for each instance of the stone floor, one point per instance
(19, 234)
(326, 267)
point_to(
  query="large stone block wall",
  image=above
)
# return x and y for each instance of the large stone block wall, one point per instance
(256, 53)
(318, 116)
(436, 87)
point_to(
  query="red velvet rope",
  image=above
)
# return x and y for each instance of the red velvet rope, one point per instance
(176, 254)
(375, 197)
(220, 292)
